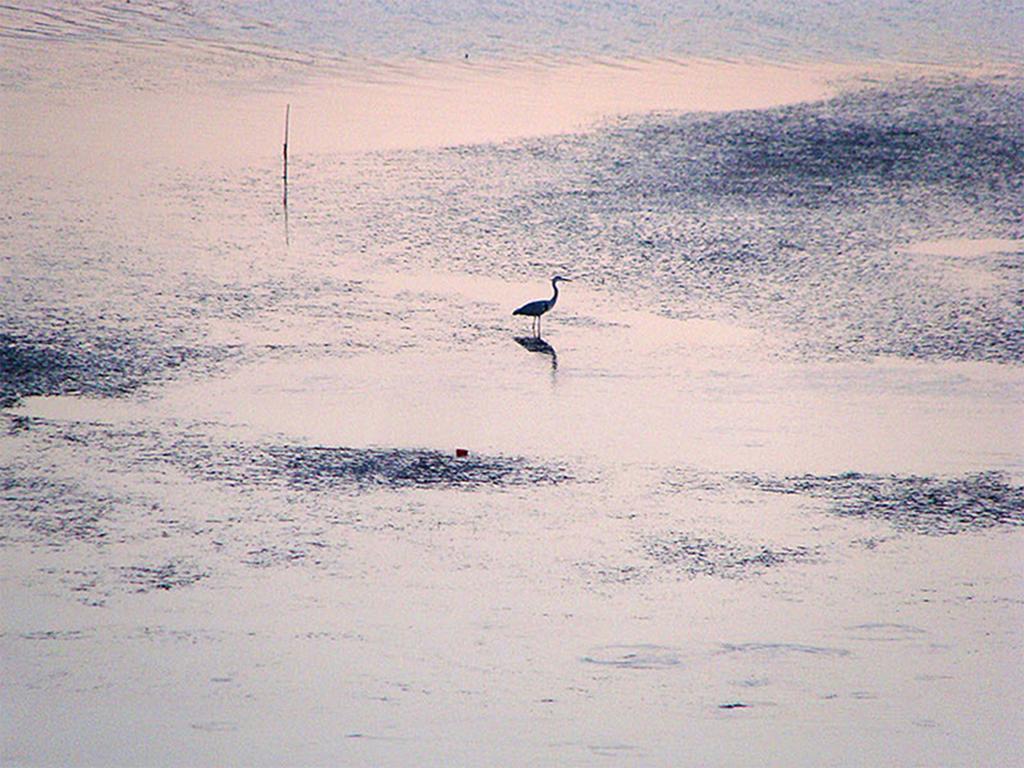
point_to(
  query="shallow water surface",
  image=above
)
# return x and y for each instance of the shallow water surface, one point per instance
(295, 487)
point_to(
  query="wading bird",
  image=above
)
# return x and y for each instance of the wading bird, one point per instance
(537, 308)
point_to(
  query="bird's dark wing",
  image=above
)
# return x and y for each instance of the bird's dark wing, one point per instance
(534, 308)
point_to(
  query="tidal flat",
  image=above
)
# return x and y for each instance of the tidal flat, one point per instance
(292, 486)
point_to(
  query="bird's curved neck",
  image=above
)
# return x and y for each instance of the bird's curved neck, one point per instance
(554, 297)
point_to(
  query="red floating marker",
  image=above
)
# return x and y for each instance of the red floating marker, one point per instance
(461, 453)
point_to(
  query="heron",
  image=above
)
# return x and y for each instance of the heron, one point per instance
(537, 308)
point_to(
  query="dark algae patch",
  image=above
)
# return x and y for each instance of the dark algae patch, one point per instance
(678, 554)
(797, 215)
(317, 467)
(100, 367)
(28, 368)
(43, 510)
(166, 576)
(695, 556)
(321, 468)
(925, 505)
(313, 468)
(285, 501)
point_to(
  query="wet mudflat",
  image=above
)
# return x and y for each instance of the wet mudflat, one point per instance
(271, 566)
(757, 497)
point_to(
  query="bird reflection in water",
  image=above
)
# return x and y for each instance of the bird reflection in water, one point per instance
(537, 344)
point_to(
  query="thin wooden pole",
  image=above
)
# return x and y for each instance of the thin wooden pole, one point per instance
(287, 116)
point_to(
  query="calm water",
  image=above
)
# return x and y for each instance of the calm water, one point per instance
(756, 498)
(937, 32)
